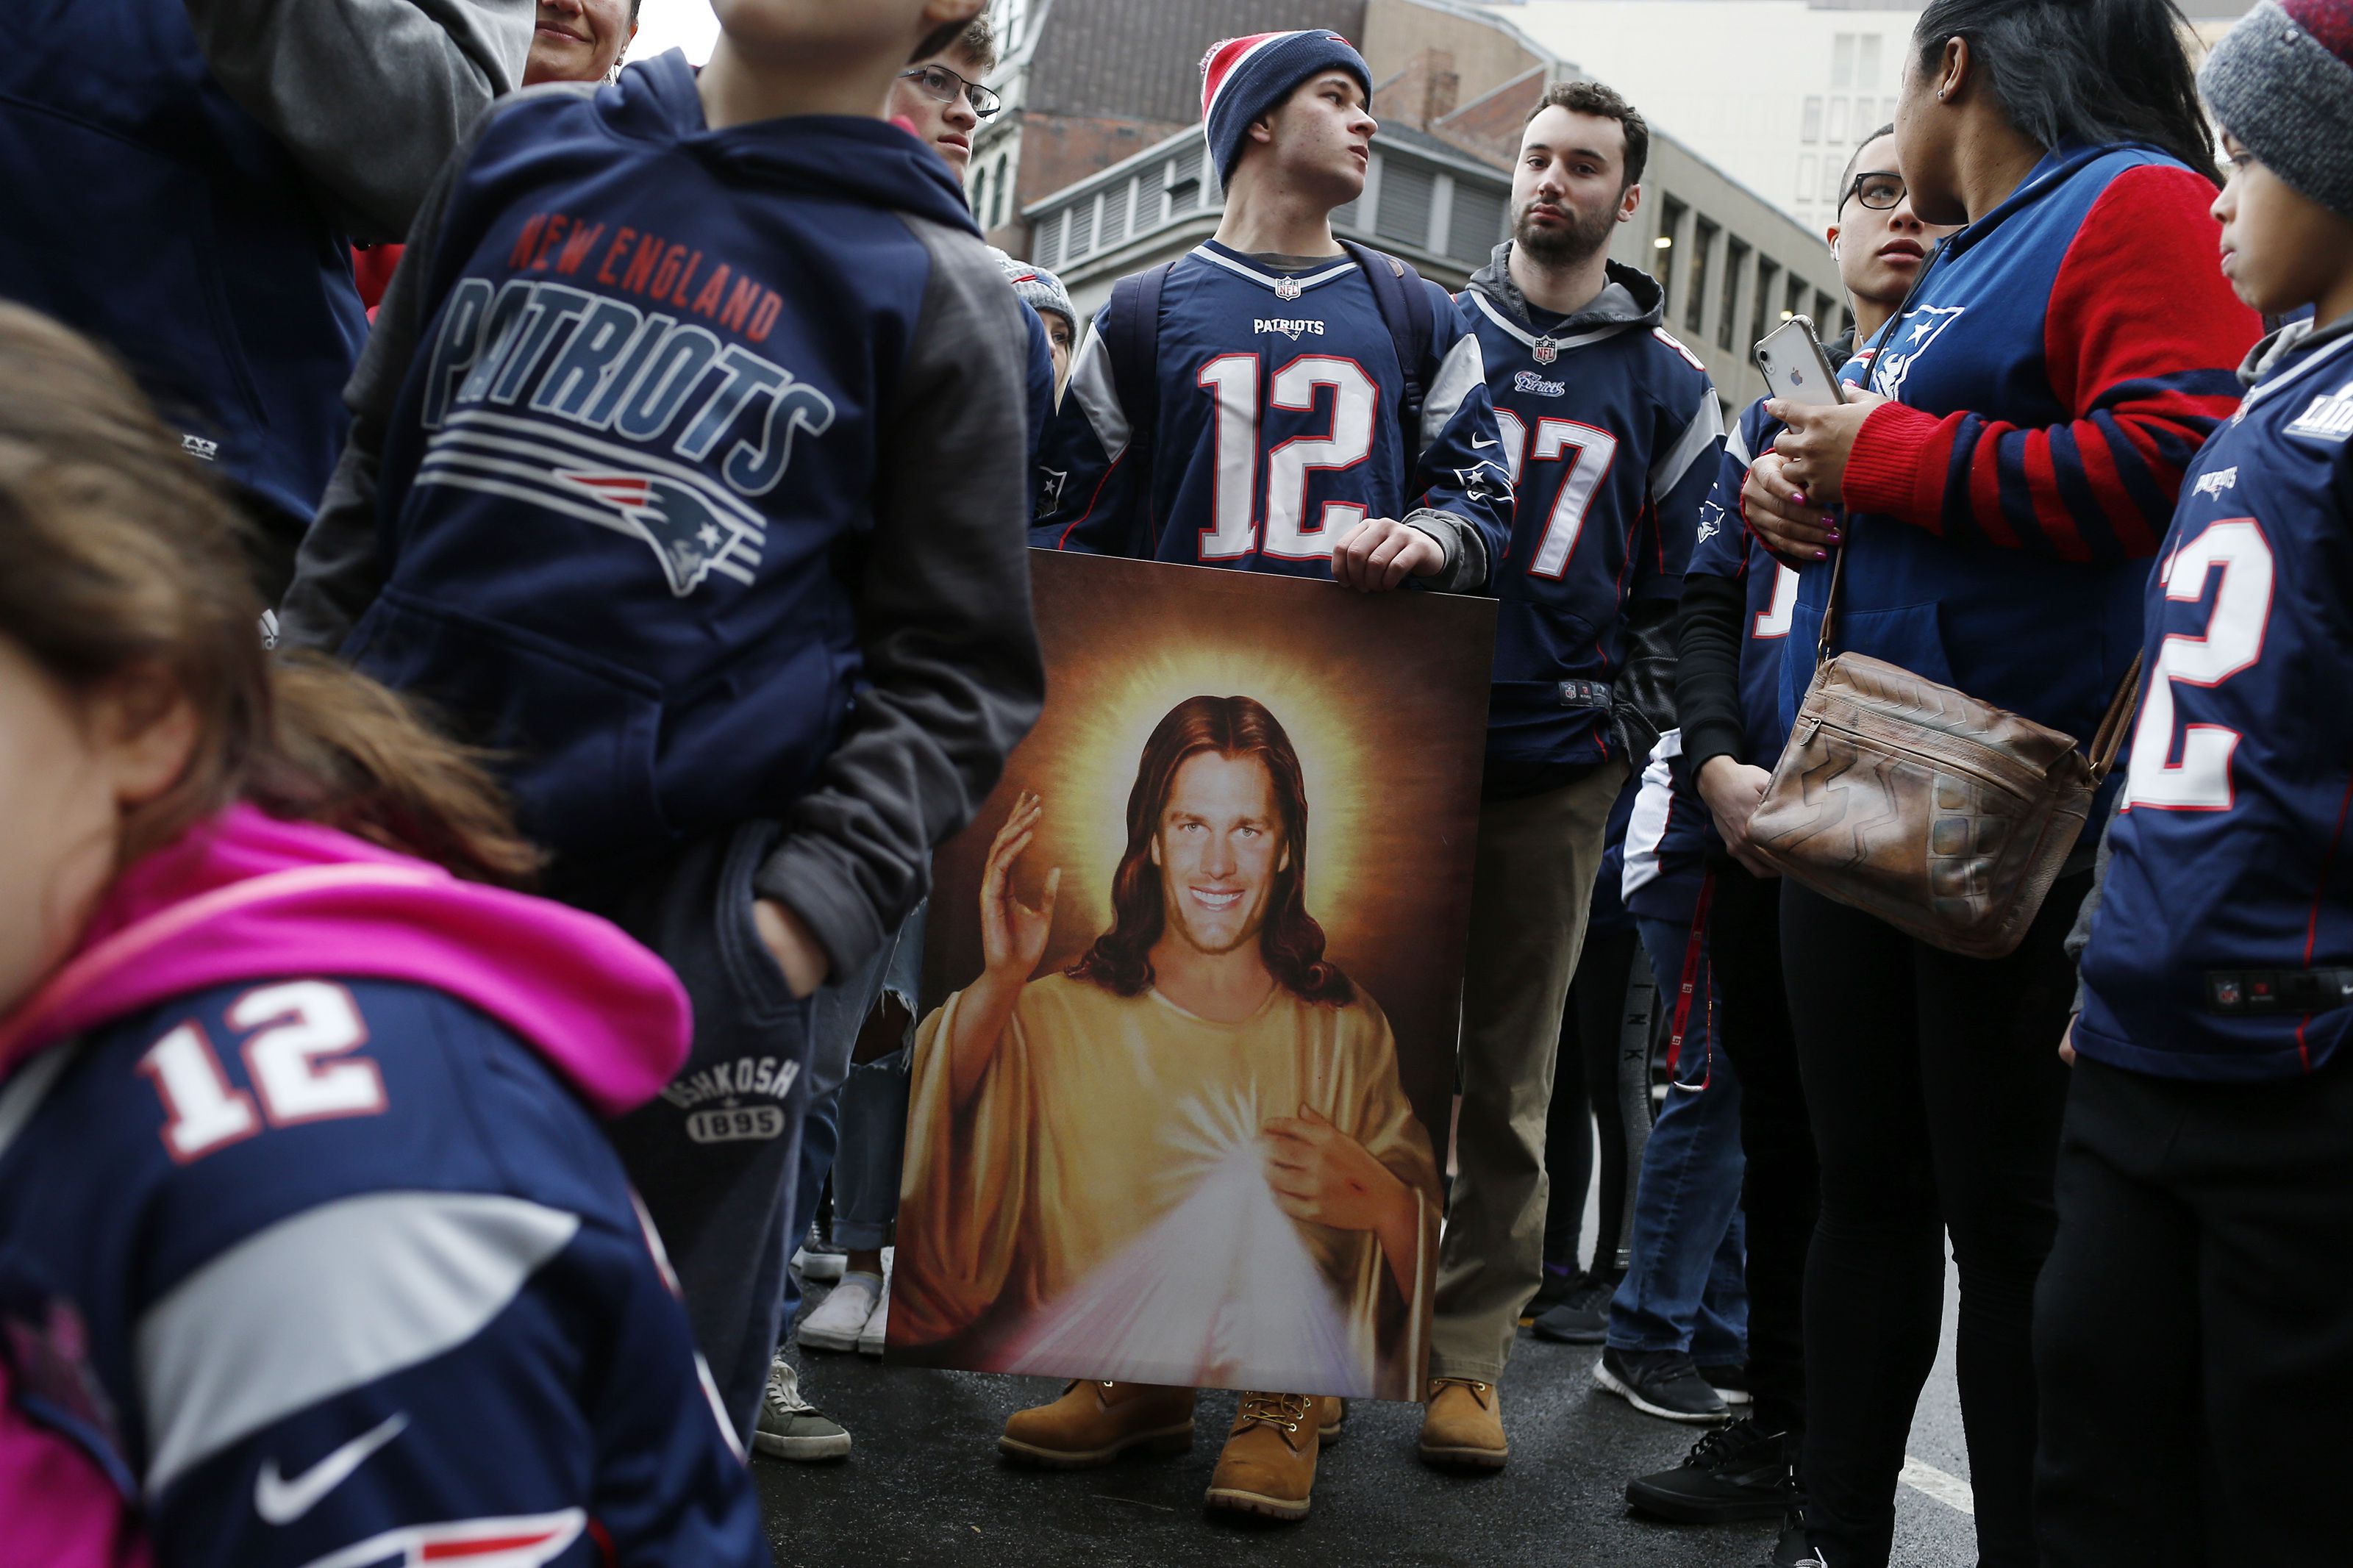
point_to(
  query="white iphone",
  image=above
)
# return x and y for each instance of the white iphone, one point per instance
(1796, 369)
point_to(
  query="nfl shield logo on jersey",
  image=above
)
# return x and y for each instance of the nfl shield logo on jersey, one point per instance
(1287, 289)
(1545, 351)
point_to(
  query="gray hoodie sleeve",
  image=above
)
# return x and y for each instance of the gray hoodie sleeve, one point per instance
(955, 674)
(338, 568)
(372, 97)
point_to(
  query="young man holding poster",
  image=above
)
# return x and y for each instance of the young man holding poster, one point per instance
(1271, 402)
(1609, 427)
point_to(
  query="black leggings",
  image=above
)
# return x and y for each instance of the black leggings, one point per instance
(1779, 1190)
(1935, 1090)
(1585, 1093)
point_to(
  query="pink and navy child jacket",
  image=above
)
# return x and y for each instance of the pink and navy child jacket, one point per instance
(311, 1249)
(2223, 947)
(2058, 366)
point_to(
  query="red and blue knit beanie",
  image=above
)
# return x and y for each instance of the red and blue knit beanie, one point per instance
(1242, 78)
(2281, 81)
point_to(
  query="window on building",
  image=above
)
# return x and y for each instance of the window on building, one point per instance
(1048, 251)
(1405, 194)
(1866, 62)
(1671, 224)
(1843, 60)
(1703, 234)
(978, 198)
(1012, 16)
(1735, 262)
(1825, 309)
(1846, 318)
(1769, 273)
(1115, 216)
(1812, 129)
(997, 197)
(1795, 303)
(1185, 181)
(1080, 236)
(1807, 166)
(1829, 189)
(1836, 131)
(1477, 223)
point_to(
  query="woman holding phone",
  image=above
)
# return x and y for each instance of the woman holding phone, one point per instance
(2004, 477)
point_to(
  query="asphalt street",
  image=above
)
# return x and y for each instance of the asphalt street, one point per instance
(925, 1486)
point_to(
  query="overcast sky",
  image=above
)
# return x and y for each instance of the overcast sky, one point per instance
(675, 25)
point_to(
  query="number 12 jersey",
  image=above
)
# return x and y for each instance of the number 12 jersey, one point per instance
(1278, 429)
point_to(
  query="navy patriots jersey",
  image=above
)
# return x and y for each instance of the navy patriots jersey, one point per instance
(1277, 430)
(354, 1278)
(2226, 858)
(1609, 429)
(1726, 549)
(1673, 834)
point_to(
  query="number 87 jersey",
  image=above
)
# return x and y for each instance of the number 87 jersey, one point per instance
(1277, 429)
(1612, 429)
(2222, 945)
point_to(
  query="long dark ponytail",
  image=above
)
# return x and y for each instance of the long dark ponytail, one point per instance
(2088, 72)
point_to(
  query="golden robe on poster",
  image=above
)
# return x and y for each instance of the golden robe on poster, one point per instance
(1100, 1208)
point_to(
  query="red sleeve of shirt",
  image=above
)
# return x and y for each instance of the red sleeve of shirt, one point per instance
(2142, 340)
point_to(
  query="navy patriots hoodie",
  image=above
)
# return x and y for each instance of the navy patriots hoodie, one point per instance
(686, 471)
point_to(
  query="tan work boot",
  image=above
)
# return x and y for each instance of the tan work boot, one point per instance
(1269, 1463)
(1096, 1423)
(1462, 1425)
(1330, 1414)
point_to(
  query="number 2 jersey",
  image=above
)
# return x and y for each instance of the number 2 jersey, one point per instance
(1610, 428)
(2222, 944)
(313, 1253)
(1277, 430)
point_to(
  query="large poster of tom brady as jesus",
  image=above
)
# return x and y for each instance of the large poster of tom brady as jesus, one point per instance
(1180, 1089)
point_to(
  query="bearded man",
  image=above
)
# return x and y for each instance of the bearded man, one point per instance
(1610, 430)
(1185, 1159)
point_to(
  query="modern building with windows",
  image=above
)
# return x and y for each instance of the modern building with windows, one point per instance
(1777, 93)
(1095, 195)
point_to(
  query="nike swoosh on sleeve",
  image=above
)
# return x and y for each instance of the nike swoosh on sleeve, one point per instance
(281, 1501)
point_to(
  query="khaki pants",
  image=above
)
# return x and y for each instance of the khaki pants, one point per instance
(1531, 883)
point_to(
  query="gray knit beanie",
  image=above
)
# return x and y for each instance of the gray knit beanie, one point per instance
(1041, 289)
(2281, 81)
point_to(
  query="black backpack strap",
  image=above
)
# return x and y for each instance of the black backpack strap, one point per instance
(1132, 339)
(1405, 310)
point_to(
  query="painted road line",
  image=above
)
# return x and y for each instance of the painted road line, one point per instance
(1927, 1479)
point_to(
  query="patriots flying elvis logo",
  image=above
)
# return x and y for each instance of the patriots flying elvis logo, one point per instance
(689, 536)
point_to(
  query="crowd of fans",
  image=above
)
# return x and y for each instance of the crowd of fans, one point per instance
(476, 711)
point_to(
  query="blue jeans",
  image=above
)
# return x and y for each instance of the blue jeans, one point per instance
(1684, 1289)
(849, 1106)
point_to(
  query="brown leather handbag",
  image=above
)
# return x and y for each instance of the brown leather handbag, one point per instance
(1944, 817)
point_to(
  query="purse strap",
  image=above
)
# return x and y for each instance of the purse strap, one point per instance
(2110, 737)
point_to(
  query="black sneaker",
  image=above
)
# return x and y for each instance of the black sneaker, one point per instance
(1556, 1288)
(1736, 1474)
(1663, 1383)
(1730, 1382)
(1583, 1316)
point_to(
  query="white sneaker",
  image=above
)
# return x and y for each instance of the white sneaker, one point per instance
(819, 1267)
(877, 1331)
(839, 1319)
